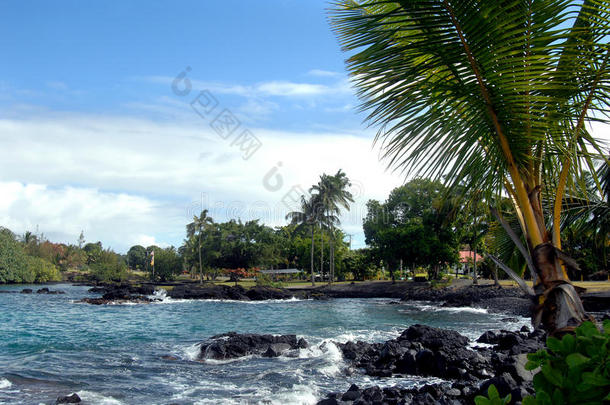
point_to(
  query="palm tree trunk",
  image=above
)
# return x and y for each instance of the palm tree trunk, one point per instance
(495, 274)
(200, 265)
(475, 280)
(559, 306)
(313, 282)
(331, 257)
(321, 251)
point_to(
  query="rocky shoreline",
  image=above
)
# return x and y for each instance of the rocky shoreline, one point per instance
(431, 352)
(509, 300)
(466, 368)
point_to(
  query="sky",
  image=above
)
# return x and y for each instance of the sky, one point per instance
(125, 119)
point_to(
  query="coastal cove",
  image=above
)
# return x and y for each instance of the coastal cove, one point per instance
(147, 353)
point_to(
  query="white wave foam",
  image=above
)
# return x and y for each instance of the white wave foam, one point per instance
(331, 354)
(298, 394)
(161, 297)
(4, 384)
(368, 335)
(191, 352)
(96, 398)
(435, 308)
(286, 301)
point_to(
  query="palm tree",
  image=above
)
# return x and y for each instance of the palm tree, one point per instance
(498, 92)
(307, 216)
(333, 195)
(340, 197)
(195, 229)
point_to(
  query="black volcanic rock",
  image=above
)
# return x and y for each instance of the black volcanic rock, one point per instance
(224, 292)
(69, 399)
(233, 345)
(419, 350)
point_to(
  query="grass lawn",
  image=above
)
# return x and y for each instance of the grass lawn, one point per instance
(591, 286)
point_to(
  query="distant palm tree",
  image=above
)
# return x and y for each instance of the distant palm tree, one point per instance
(28, 237)
(308, 216)
(195, 229)
(333, 195)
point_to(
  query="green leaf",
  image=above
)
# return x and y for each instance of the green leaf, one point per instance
(481, 400)
(543, 398)
(529, 400)
(554, 344)
(576, 359)
(587, 329)
(569, 343)
(595, 379)
(492, 392)
(558, 398)
(607, 327)
(552, 375)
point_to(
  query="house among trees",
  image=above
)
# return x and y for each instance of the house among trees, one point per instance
(466, 261)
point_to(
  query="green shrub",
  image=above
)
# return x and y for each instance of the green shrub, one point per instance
(493, 397)
(41, 270)
(264, 280)
(573, 370)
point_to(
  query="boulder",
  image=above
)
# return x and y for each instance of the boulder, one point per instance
(26, 291)
(69, 399)
(233, 345)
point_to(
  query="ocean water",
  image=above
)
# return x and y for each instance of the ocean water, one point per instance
(50, 345)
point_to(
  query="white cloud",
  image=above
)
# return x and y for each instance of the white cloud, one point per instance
(61, 213)
(127, 181)
(273, 88)
(57, 85)
(323, 73)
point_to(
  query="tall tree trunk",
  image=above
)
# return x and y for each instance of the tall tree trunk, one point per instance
(475, 281)
(331, 257)
(321, 252)
(495, 275)
(474, 268)
(558, 305)
(313, 282)
(200, 265)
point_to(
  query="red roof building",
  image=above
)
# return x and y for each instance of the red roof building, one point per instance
(467, 256)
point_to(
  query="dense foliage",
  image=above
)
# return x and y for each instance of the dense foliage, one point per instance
(573, 370)
(414, 225)
(18, 267)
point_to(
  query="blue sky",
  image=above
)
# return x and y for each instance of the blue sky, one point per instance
(93, 138)
(101, 57)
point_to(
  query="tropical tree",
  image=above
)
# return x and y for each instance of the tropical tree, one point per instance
(496, 92)
(307, 216)
(195, 230)
(136, 257)
(332, 195)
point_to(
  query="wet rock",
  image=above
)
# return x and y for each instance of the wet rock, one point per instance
(233, 345)
(504, 300)
(69, 399)
(45, 290)
(267, 293)
(488, 337)
(26, 291)
(504, 383)
(352, 394)
(420, 350)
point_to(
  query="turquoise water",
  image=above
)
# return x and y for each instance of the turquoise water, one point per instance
(113, 354)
